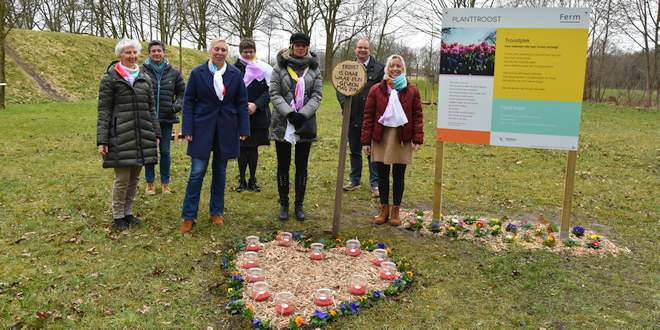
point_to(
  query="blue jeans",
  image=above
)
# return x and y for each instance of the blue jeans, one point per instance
(165, 159)
(356, 159)
(194, 187)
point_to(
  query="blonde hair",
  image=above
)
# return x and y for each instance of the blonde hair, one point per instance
(216, 40)
(125, 43)
(389, 62)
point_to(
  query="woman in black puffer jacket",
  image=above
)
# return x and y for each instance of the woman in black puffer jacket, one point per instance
(127, 130)
(168, 87)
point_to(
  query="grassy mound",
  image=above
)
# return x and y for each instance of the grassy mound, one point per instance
(71, 63)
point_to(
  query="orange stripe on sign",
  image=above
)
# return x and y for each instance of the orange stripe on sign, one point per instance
(463, 136)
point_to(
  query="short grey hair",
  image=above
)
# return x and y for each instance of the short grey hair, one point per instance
(125, 43)
(215, 41)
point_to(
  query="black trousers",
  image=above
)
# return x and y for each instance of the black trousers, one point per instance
(249, 156)
(398, 182)
(283, 151)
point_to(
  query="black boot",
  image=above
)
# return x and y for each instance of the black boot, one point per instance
(241, 186)
(121, 224)
(133, 221)
(252, 185)
(284, 212)
(300, 213)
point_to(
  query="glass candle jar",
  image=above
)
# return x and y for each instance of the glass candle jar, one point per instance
(259, 291)
(317, 251)
(284, 239)
(250, 260)
(252, 243)
(284, 303)
(255, 275)
(357, 285)
(353, 248)
(387, 270)
(323, 297)
(380, 255)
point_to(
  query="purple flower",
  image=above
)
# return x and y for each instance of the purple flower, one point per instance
(578, 231)
(343, 307)
(320, 314)
(377, 294)
(256, 324)
(225, 262)
(355, 307)
(380, 245)
(237, 277)
(511, 228)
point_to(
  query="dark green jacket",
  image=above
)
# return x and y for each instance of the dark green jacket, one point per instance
(170, 92)
(126, 120)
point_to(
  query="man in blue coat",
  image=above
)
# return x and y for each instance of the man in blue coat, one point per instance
(215, 119)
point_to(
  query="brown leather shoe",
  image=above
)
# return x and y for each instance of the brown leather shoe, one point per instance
(165, 188)
(218, 219)
(394, 216)
(186, 226)
(383, 214)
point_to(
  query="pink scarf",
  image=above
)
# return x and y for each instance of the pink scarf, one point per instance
(129, 77)
(256, 70)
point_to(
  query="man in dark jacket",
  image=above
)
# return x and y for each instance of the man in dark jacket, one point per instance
(375, 71)
(168, 88)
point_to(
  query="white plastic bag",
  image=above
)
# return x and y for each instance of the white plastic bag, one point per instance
(290, 133)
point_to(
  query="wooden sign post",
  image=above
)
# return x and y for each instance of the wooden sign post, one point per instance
(348, 77)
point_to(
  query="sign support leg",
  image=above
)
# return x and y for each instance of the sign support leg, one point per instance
(437, 184)
(341, 166)
(568, 195)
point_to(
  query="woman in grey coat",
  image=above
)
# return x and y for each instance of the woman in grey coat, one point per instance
(127, 130)
(296, 89)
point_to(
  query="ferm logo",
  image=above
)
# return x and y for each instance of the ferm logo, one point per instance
(564, 18)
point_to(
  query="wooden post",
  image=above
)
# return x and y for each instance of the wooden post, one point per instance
(342, 165)
(437, 184)
(568, 195)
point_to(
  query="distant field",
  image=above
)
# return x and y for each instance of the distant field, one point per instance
(58, 260)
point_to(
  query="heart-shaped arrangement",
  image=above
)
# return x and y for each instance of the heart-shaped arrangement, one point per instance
(291, 281)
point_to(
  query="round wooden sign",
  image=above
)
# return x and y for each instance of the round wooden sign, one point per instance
(349, 77)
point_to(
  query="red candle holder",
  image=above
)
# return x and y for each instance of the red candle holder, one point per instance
(353, 248)
(323, 297)
(252, 243)
(259, 291)
(357, 286)
(380, 255)
(250, 261)
(387, 270)
(284, 303)
(284, 239)
(317, 251)
(255, 275)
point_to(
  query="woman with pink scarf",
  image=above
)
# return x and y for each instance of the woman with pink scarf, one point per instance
(256, 76)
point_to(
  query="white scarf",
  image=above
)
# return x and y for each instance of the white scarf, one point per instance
(218, 84)
(394, 115)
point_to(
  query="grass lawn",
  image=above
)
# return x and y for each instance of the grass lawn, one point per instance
(59, 262)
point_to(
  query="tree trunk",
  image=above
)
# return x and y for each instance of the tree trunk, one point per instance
(3, 38)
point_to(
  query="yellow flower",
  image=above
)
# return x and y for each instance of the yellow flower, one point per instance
(594, 237)
(230, 290)
(234, 273)
(551, 238)
(409, 274)
(389, 250)
(299, 321)
(371, 241)
(333, 312)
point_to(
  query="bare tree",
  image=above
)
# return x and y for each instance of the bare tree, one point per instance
(296, 15)
(341, 22)
(6, 24)
(199, 11)
(243, 17)
(24, 13)
(640, 23)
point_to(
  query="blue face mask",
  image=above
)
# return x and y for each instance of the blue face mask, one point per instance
(400, 82)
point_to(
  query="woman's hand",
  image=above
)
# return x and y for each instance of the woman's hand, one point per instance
(189, 138)
(243, 137)
(252, 108)
(416, 146)
(366, 150)
(103, 149)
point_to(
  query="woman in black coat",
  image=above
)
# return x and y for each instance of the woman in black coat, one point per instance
(256, 76)
(127, 130)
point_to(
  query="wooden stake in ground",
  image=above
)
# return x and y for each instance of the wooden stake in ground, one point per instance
(348, 77)
(568, 195)
(437, 184)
